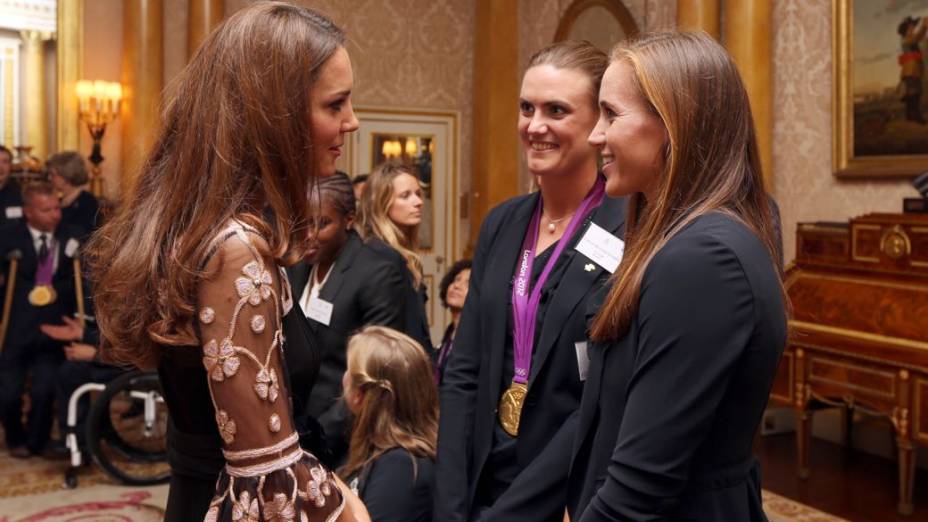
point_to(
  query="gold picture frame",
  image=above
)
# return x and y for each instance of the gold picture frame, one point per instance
(870, 121)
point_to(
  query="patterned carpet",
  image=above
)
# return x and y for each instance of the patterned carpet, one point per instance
(31, 491)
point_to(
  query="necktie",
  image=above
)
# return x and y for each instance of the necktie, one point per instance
(43, 248)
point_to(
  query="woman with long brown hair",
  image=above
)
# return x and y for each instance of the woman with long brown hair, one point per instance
(688, 338)
(389, 388)
(188, 269)
(388, 220)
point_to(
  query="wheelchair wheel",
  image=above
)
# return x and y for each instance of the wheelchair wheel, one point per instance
(127, 430)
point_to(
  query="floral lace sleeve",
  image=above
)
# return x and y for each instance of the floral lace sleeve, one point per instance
(267, 475)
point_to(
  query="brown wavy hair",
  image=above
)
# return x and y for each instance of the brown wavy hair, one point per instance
(235, 141)
(399, 408)
(374, 219)
(712, 162)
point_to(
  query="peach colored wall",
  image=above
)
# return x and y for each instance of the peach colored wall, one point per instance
(102, 60)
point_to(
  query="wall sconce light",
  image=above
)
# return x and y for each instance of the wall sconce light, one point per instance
(411, 147)
(391, 149)
(99, 105)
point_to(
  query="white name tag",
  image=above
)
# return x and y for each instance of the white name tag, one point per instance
(602, 247)
(14, 212)
(70, 248)
(583, 359)
(320, 310)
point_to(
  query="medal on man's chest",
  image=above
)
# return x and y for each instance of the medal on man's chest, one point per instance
(42, 295)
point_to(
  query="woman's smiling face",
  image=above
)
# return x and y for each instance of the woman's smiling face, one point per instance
(557, 111)
(630, 135)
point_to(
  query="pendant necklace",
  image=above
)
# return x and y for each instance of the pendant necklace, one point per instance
(552, 223)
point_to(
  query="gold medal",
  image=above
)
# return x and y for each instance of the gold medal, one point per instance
(510, 407)
(42, 295)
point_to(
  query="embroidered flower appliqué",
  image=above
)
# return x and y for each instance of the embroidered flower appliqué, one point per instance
(226, 426)
(317, 487)
(207, 315)
(280, 509)
(266, 386)
(220, 361)
(246, 509)
(256, 285)
(257, 324)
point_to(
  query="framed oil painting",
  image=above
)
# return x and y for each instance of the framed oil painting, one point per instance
(880, 103)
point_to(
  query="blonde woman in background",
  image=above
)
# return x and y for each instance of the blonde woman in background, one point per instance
(390, 389)
(388, 220)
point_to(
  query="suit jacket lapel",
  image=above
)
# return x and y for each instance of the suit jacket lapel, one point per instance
(345, 259)
(576, 283)
(298, 275)
(499, 276)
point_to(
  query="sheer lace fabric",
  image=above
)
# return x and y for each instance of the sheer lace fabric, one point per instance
(267, 476)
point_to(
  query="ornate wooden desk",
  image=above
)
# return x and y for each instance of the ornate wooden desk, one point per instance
(859, 292)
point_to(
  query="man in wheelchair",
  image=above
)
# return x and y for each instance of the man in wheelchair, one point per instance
(38, 256)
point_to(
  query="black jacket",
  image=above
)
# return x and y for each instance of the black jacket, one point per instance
(470, 389)
(83, 212)
(363, 290)
(24, 317)
(415, 322)
(11, 202)
(670, 410)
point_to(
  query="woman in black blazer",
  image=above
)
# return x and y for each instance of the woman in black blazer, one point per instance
(389, 217)
(68, 174)
(488, 434)
(690, 334)
(341, 286)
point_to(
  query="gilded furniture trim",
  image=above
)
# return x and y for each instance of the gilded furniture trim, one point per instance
(791, 372)
(857, 334)
(895, 243)
(891, 376)
(854, 255)
(861, 280)
(917, 432)
(857, 356)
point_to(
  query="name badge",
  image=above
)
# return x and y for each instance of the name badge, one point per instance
(70, 248)
(602, 247)
(583, 359)
(320, 311)
(14, 212)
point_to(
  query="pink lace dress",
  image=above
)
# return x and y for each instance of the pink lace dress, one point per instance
(267, 475)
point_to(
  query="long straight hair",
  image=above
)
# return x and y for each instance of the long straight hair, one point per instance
(374, 219)
(399, 408)
(235, 142)
(711, 161)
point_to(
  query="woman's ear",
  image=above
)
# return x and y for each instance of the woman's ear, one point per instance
(349, 221)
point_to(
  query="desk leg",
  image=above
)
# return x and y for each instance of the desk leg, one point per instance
(803, 440)
(906, 475)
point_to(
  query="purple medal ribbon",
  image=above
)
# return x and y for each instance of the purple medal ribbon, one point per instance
(46, 270)
(525, 299)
